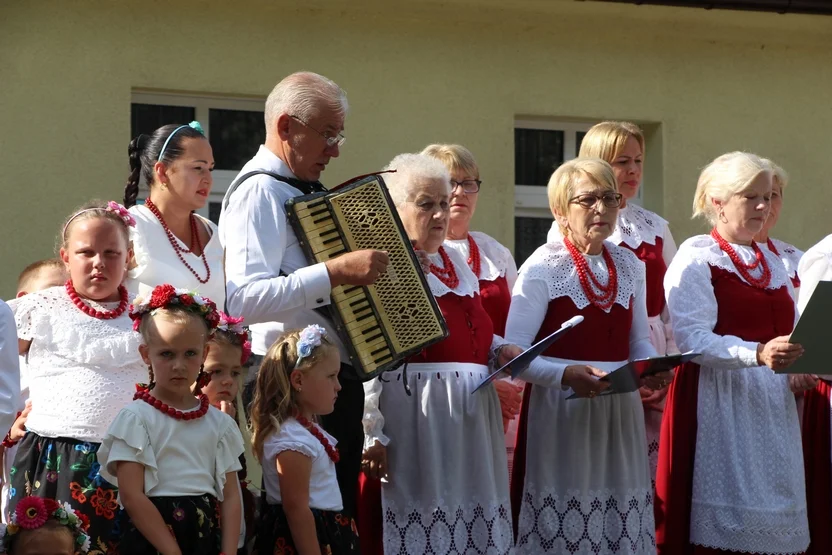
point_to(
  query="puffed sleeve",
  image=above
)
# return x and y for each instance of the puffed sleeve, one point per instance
(229, 449)
(693, 313)
(141, 255)
(529, 303)
(288, 439)
(668, 252)
(640, 346)
(29, 316)
(127, 440)
(373, 420)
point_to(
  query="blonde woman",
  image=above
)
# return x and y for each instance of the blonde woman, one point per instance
(789, 254)
(647, 234)
(730, 472)
(586, 483)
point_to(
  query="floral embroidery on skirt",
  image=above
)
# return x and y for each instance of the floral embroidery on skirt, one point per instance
(337, 534)
(66, 469)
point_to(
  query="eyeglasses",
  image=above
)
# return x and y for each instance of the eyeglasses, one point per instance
(469, 186)
(590, 201)
(331, 141)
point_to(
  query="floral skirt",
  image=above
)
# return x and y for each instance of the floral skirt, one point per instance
(66, 469)
(337, 534)
(193, 520)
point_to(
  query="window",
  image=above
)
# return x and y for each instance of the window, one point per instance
(539, 148)
(233, 126)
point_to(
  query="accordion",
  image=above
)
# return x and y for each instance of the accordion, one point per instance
(383, 323)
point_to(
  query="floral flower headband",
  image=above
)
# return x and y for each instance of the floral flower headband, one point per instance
(234, 326)
(113, 207)
(310, 337)
(33, 512)
(164, 296)
(193, 125)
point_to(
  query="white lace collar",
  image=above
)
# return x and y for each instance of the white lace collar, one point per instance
(553, 265)
(468, 285)
(705, 248)
(789, 254)
(494, 257)
(637, 225)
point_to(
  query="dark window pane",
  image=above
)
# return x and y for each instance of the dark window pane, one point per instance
(147, 118)
(214, 209)
(529, 233)
(235, 136)
(537, 152)
(579, 139)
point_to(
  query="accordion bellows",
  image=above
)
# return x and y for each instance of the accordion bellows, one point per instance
(383, 323)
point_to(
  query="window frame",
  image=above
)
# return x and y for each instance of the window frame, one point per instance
(202, 104)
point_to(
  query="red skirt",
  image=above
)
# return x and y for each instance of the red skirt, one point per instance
(817, 462)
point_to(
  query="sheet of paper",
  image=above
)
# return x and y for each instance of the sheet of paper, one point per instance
(813, 333)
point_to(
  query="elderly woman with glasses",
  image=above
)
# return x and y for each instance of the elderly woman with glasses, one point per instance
(490, 261)
(647, 234)
(586, 484)
(446, 487)
(730, 475)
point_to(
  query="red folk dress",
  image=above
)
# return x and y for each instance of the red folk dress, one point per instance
(581, 477)
(447, 485)
(730, 472)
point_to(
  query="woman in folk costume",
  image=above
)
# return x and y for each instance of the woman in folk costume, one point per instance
(789, 254)
(490, 261)
(730, 466)
(586, 485)
(816, 266)
(647, 234)
(446, 484)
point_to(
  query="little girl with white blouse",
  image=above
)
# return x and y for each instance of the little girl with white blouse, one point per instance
(83, 363)
(175, 456)
(297, 381)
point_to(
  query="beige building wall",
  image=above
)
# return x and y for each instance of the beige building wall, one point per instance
(416, 72)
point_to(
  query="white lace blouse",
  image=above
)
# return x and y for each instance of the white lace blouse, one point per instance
(157, 262)
(81, 370)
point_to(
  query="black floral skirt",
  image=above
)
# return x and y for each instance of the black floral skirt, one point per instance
(193, 520)
(66, 469)
(337, 534)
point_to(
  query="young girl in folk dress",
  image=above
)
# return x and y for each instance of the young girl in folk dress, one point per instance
(297, 381)
(44, 526)
(83, 362)
(228, 351)
(175, 456)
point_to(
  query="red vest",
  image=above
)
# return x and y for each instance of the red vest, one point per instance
(470, 332)
(750, 313)
(655, 267)
(496, 298)
(602, 336)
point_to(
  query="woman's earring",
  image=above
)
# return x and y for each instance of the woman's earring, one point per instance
(722, 217)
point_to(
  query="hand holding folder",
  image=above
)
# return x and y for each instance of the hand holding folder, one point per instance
(518, 364)
(627, 378)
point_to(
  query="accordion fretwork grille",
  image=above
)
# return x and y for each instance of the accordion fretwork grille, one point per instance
(368, 223)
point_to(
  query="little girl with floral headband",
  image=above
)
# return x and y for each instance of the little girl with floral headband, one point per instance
(41, 525)
(83, 362)
(174, 455)
(228, 350)
(297, 381)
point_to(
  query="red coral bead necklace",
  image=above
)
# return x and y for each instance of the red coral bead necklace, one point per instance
(744, 269)
(179, 250)
(173, 412)
(90, 311)
(447, 273)
(474, 260)
(589, 283)
(315, 431)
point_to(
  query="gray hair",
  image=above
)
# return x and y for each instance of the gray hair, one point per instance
(728, 175)
(301, 95)
(411, 168)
